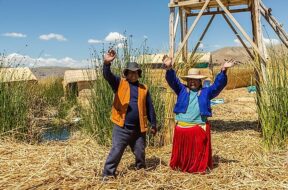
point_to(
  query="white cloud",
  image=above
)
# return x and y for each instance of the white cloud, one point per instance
(267, 41)
(94, 41)
(114, 36)
(53, 36)
(15, 35)
(120, 45)
(15, 59)
(47, 55)
(201, 45)
(237, 41)
(271, 41)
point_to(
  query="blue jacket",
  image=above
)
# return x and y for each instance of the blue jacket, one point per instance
(204, 98)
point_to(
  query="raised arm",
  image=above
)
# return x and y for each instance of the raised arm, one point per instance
(171, 78)
(113, 80)
(221, 80)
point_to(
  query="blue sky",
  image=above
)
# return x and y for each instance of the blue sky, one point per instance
(64, 32)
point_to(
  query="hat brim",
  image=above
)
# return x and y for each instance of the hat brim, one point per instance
(132, 69)
(194, 77)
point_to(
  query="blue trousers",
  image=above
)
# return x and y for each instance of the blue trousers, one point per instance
(121, 138)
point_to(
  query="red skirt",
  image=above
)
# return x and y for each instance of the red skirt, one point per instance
(191, 151)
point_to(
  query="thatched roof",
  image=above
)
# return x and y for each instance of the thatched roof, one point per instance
(71, 76)
(16, 74)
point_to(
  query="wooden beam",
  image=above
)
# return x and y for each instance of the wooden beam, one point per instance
(176, 25)
(221, 12)
(183, 23)
(238, 36)
(258, 40)
(196, 4)
(275, 26)
(191, 29)
(268, 14)
(202, 36)
(185, 31)
(171, 31)
(241, 30)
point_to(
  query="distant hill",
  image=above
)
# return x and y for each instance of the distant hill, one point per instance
(238, 53)
(218, 57)
(44, 72)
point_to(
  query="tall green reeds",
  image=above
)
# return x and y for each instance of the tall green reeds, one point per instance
(272, 101)
(26, 106)
(14, 103)
(14, 108)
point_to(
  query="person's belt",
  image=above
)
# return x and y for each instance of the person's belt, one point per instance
(189, 125)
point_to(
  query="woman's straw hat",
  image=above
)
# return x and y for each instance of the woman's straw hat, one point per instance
(194, 74)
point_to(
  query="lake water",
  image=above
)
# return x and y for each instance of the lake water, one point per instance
(56, 134)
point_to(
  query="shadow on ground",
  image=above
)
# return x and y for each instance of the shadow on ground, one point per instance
(224, 126)
(219, 160)
(151, 164)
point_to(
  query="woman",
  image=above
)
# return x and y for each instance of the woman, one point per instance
(191, 150)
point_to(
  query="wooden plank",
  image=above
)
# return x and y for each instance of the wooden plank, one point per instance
(238, 36)
(171, 32)
(191, 29)
(176, 25)
(183, 23)
(185, 31)
(276, 30)
(274, 25)
(268, 14)
(221, 12)
(258, 40)
(241, 30)
(196, 4)
(202, 36)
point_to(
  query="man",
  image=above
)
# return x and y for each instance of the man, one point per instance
(131, 108)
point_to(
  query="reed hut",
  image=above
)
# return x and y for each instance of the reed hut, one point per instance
(79, 83)
(17, 75)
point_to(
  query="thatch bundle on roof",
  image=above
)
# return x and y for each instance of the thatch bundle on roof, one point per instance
(154, 61)
(10, 75)
(79, 82)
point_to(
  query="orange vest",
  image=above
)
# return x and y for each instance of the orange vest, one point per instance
(121, 102)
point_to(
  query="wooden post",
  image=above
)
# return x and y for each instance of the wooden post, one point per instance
(176, 25)
(171, 31)
(183, 21)
(258, 39)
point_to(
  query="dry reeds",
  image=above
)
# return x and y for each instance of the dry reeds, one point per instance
(240, 162)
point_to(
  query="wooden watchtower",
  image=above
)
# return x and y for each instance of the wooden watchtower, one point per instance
(182, 10)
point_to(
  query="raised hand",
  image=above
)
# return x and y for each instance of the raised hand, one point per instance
(228, 64)
(109, 56)
(167, 61)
